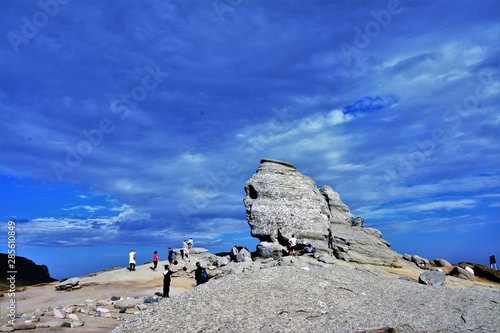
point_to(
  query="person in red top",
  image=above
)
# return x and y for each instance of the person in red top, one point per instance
(156, 257)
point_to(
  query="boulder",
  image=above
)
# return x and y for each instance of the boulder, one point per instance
(59, 313)
(470, 270)
(462, 273)
(243, 255)
(127, 304)
(420, 262)
(50, 324)
(270, 250)
(67, 284)
(442, 263)
(20, 326)
(432, 278)
(281, 202)
(357, 222)
(222, 261)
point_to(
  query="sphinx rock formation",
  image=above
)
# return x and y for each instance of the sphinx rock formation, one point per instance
(281, 202)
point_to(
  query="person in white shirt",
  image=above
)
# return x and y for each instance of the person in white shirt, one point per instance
(292, 246)
(185, 251)
(131, 260)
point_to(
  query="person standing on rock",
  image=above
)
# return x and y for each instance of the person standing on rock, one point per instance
(190, 243)
(493, 262)
(156, 257)
(185, 251)
(166, 280)
(131, 260)
(292, 242)
(330, 238)
(171, 256)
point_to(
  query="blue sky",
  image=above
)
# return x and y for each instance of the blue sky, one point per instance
(135, 124)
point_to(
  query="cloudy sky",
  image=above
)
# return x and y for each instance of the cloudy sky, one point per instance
(135, 124)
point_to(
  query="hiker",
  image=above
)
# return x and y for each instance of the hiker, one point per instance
(156, 257)
(309, 248)
(200, 275)
(493, 262)
(171, 256)
(184, 251)
(190, 243)
(131, 260)
(292, 242)
(330, 238)
(166, 280)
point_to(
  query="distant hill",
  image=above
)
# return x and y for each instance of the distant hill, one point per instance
(27, 272)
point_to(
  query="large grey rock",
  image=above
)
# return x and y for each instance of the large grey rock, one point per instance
(420, 262)
(50, 324)
(442, 263)
(407, 256)
(243, 255)
(270, 250)
(432, 278)
(221, 261)
(281, 202)
(462, 273)
(68, 284)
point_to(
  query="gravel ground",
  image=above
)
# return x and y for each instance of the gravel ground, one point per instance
(321, 299)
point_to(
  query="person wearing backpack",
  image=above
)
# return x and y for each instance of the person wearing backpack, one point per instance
(200, 275)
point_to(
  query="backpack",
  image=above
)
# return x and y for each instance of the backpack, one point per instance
(204, 275)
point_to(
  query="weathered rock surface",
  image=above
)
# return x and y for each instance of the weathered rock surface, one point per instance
(442, 263)
(281, 202)
(462, 273)
(293, 295)
(420, 262)
(482, 271)
(432, 278)
(68, 284)
(339, 212)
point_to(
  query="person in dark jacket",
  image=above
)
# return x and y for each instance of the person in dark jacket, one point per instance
(166, 280)
(198, 274)
(171, 256)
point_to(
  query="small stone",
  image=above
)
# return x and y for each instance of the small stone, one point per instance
(77, 323)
